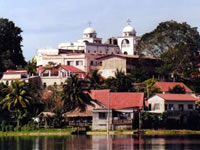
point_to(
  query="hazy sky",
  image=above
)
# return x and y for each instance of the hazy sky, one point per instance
(46, 23)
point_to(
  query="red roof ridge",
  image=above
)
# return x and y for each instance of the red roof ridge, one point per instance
(179, 97)
(165, 86)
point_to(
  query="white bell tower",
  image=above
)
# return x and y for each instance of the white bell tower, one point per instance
(127, 42)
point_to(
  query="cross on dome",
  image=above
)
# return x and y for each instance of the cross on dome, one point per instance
(89, 23)
(128, 21)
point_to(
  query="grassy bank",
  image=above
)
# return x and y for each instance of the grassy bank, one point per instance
(66, 132)
(147, 132)
(40, 132)
(171, 132)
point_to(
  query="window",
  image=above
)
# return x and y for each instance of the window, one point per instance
(100, 63)
(79, 63)
(190, 106)
(165, 106)
(88, 51)
(70, 63)
(181, 107)
(156, 106)
(149, 106)
(102, 115)
(94, 51)
(45, 85)
(171, 107)
(91, 63)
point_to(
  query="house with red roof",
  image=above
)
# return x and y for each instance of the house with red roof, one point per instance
(21, 75)
(117, 107)
(165, 86)
(57, 75)
(180, 103)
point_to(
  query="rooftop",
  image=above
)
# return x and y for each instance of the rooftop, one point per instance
(177, 97)
(118, 100)
(165, 86)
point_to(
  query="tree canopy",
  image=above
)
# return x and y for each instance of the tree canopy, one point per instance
(178, 46)
(75, 94)
(120, 83)
(10, 45)
(177, 90)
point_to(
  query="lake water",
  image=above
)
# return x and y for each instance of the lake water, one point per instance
(101, 143)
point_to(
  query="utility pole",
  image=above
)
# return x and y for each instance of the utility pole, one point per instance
(108, 114)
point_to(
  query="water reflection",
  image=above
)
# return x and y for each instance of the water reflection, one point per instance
(101, 143)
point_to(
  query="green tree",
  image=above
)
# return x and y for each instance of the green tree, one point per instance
(177, 89)
(119, 83)
(95, 79)
(11, 55)
(150, 90)
(177, 44)
(75, 94)
(31, 67)
(18, 99)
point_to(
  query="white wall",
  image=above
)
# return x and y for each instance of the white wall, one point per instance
(156, 100)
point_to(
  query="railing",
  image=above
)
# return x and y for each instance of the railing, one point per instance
(177, 113)
(79, 124)
(122, 122)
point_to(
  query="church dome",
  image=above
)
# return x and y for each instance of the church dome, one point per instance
(129, 29)
(89, 30)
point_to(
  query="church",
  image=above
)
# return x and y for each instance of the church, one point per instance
(90, 43)
(89, 53)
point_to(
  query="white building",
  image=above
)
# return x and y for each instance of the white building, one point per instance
(90, 43)
(128, 41)
(171, 103)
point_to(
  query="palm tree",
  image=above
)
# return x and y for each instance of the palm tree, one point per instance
(120, 83)
(95, 79)
(17, 99)
(18, 96)
(75, 94)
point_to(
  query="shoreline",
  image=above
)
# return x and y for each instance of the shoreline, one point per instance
(64, 132)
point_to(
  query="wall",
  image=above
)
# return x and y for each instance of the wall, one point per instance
(110, 65)
(185, 104)
(100, 124)
(51, 80)
(156, 100)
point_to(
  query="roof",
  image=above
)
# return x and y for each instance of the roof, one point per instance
(165, 86)
(15, 71)
(72, 69)
(127, 56)
(55, 69)
(177, 97)
(118, 100)
(129, 28)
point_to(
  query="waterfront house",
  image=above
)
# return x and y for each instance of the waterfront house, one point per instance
(119, 109)
(177, 105)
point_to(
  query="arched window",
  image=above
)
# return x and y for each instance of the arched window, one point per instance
(125, 53)
(125, 41)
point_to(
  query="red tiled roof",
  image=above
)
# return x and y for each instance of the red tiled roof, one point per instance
(15, 71)
(72, 69)
(65, 67)
(165, 86)
(177, 97)
(118, 100)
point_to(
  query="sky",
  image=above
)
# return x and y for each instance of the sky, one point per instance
(46, 23)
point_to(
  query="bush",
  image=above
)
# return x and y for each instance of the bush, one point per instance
(3, 126)
(30, 126)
